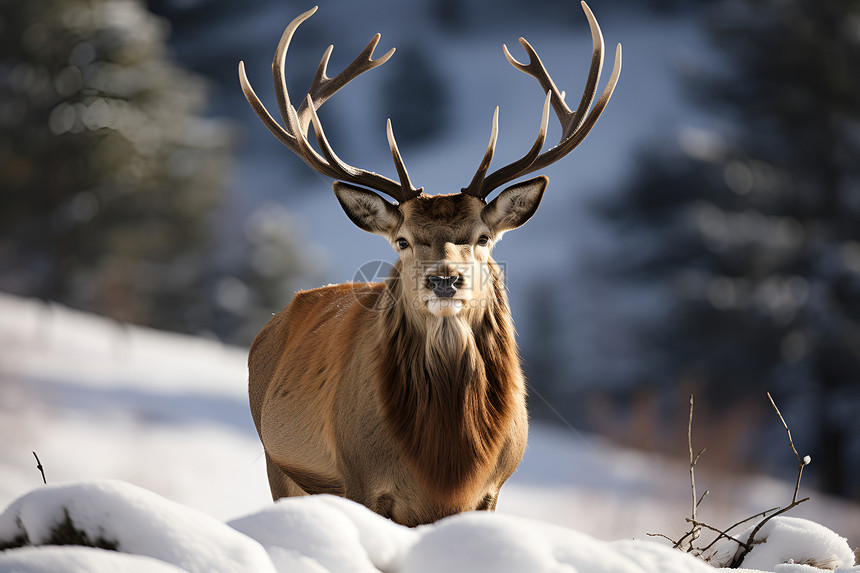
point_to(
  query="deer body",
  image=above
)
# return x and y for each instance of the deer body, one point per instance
(406, 396)
(328, 428)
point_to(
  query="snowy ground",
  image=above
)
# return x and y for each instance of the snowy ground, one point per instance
(327, 534)
(99, 400)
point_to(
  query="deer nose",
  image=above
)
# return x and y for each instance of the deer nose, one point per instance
(445, 287)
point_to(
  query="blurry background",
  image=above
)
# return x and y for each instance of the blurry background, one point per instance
(705, 238)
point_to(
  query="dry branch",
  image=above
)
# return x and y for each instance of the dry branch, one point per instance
(687, 541)
(694, 533)
(802, 462)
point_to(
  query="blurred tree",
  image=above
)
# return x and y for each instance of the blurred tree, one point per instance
(543, 354)
(415, 96)
(756, 233)
(109, 171)
(261, 273)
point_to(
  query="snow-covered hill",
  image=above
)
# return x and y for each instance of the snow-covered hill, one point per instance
(100, 400)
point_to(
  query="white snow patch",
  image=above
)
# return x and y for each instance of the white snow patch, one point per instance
(503, 544)
(324, 534)
(139, 522)
(334, 533)
(72, 559)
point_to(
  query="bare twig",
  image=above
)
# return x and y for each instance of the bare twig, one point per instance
(661, 535)
(694, 533)
(41, 469)
(680, 542)
(805, 461)
(802, 462)
(741, 522)
(720, 532)
(707, 491)
(784, 425)
(687, 541)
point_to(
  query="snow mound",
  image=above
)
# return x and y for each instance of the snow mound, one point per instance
(333, 533)
(788, 545)
(133, 520)
(130, 529)
(504, 544)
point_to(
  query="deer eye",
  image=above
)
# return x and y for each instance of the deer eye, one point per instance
(483, 241)
(402, 243)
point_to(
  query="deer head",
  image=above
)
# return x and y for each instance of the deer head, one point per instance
(444, 242)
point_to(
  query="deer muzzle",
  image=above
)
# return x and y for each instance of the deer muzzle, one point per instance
(445, 286)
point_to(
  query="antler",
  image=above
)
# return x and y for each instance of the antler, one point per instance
(294, 133)
(574, 124)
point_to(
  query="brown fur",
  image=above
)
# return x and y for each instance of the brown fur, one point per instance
(449, 401)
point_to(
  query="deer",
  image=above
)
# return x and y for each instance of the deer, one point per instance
(407, 395)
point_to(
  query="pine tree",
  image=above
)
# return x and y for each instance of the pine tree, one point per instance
(755, 232)
(109, 171)
(415, 96)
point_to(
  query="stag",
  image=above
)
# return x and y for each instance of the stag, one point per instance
(406, 396)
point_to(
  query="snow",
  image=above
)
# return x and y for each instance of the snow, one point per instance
(786, 539)
(336, 534)
(506, 544)
(138, 522)
(74, 559)
(319, 534)
(107, 405)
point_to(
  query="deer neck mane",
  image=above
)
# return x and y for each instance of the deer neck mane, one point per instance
(449, 387)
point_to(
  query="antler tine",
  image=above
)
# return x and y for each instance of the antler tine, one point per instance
(283, 136)
(474, 187)
(536, 69)
(308, 154)
(342, 170)
(323, 87)
(594, 70)
(567, 145)
(409, 191)
(575, 124)
(296, 122)
(280, 60)
(521, 166)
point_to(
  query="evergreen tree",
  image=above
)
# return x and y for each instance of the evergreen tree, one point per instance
(109, 172)
(756, 231)
(543, 354)
(260, 273)
(415, 96)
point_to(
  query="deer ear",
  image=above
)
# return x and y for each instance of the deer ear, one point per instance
(515, 205)
(367, 209)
